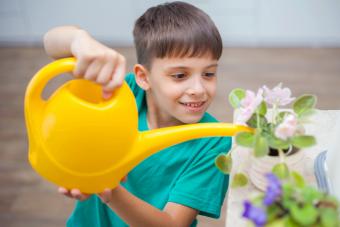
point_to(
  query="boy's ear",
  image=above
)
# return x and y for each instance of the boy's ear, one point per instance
(142, 78)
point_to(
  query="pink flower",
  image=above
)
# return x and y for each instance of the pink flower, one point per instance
(287, 128)
(278, 96)
(248, 106)
(243, 116)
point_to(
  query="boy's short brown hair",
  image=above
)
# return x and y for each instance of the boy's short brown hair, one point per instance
(175, 29)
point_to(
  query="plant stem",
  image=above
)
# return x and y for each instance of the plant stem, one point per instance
(273, 121)
(257, 119)
(274, 114)
(282, 156)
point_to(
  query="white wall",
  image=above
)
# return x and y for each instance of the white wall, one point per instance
(241, 22)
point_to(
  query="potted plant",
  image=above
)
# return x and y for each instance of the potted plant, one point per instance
(278, 140)
(291, 203)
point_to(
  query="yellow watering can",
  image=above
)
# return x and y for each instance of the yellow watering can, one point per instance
(79, 140)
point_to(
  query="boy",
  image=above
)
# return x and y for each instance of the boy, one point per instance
(174, 82)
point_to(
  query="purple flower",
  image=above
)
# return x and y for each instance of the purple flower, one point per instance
(256, 214)
(274, 189)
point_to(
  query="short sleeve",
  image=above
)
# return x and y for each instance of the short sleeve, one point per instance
(130, 80)
(202, 186)
(138, 92)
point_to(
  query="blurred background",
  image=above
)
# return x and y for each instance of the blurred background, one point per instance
(266, 42)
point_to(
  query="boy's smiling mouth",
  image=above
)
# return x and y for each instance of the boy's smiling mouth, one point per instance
(194, 106)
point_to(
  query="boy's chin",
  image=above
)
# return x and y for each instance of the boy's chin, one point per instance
(191, 119)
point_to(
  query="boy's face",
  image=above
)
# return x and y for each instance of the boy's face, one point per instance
(182, 89)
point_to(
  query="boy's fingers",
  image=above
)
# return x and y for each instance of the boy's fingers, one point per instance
(65, 192)
(106, 195)
(107, 94)
(118, 75)
(93, 70)
(76, 194)
(62, 190)
(81, 66)
(105, 73)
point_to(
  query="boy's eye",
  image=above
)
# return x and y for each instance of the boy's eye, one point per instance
(178, 75)
(209, 74)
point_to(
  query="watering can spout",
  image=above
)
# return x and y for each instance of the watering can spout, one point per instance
(149, 142)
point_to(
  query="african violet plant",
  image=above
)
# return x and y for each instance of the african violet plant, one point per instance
(291, 203)
(280, 132)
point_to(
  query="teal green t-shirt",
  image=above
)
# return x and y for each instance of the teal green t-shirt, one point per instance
(184, 174)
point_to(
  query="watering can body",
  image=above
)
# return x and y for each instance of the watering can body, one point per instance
(79, 140)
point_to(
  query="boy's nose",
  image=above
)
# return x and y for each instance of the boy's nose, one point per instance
(196, 87)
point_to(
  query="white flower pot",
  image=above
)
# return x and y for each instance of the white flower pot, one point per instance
(260, 166)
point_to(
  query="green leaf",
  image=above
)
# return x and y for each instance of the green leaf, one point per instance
(261, 146)
(239, 180)
(304, 103)
(310, 194)
(305, 215)
(297, 179)
(306, 114)
(288, 199)
(281, 116)
(277, 143)
(303, 141)
(289, 222)
(276, 223)
(235, 97)
(329, 218)
(252, 122)
(245, 139)
(286, 221)
(224, 163)
(281, 170)
(288, 190)
(262, 109)
(289, 203)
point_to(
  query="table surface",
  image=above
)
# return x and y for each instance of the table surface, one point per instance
(323, 125)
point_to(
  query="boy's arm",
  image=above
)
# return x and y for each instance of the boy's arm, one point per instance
(136, 212)
(58, 41)
(95, 61)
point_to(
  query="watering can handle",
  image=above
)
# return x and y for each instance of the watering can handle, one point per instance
(43, 76)
(34, 104)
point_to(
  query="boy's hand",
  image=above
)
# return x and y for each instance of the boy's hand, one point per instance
(98, 63)
(105, 196)
(73, 193)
